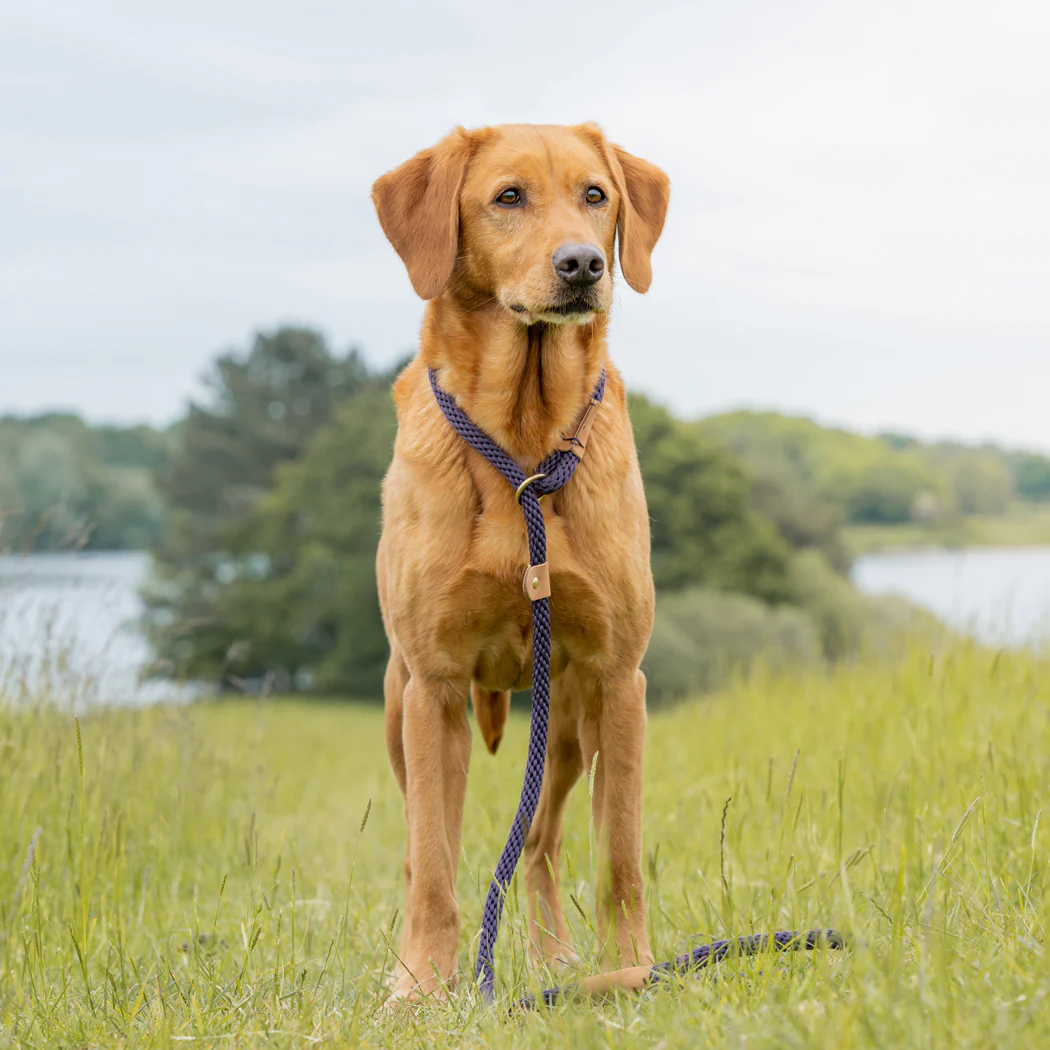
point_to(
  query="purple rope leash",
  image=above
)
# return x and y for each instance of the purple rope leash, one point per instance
(554, 472)
(710, 954)
(558, 467)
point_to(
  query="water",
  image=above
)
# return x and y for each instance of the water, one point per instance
(68, 628)
(68, 622)
(1001, 596)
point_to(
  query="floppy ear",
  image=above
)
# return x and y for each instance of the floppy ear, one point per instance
(644, 193)
(418, 208)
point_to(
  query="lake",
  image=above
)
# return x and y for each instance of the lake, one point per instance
(67, 621)
(68, 627)
(1001, 596)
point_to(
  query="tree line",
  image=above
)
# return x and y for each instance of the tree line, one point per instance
(885, 480)
(261, 509)
(67, 485)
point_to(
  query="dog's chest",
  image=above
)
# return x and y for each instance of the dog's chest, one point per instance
(501, 630)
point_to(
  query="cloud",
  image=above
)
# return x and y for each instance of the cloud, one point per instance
(858, 227)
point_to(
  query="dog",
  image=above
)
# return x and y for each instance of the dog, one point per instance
(508, 233)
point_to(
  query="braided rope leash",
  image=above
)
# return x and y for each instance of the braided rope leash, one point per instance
(551, 475)
(554, 472)
(698, 959)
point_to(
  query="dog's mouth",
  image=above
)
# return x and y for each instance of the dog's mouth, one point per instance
(575, 309)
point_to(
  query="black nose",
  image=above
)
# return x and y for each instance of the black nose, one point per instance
(579, 264)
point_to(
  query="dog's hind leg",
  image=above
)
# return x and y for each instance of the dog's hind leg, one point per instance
(549, 932)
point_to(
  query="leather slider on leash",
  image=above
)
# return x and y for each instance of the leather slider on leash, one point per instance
(537, 582)
(576, 442)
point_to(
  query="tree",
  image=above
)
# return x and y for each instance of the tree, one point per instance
(64, 484)
(885, 493)
(265, 406)
(704, 529)
(1032, 473)
(983, 484)
(303, 604)
(803, 518)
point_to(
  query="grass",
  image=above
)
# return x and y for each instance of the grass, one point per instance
(1026, 525)
(229, 875)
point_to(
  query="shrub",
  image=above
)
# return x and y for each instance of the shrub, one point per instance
(885, 493)
(704, 528)
(702, 638)
(848, 622)
(801, 516)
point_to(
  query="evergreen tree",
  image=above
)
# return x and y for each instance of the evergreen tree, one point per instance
(264, 408)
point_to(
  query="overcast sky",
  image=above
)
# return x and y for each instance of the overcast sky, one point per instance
(859, 227)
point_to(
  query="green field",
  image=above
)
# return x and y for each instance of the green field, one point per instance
(202, 877)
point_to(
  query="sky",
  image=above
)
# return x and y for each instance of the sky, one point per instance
(859, 228)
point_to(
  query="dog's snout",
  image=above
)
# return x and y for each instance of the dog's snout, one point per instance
(579, 264)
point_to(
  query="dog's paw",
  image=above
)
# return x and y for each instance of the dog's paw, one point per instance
(411, 995)
(405, 1004)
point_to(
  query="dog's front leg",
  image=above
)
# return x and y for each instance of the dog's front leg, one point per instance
(616, 729)
(437, 757)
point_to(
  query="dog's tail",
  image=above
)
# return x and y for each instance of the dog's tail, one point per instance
(490, 710)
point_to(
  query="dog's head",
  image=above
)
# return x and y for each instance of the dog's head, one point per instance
(524, 215)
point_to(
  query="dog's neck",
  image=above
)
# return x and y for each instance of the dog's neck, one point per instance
(525, 386)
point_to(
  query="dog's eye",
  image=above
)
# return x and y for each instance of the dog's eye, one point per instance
(509, 197)
(594, 195)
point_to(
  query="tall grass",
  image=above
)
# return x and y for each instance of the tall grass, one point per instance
(230, 874)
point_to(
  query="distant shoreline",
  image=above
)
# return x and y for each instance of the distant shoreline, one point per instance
(1027, 526)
